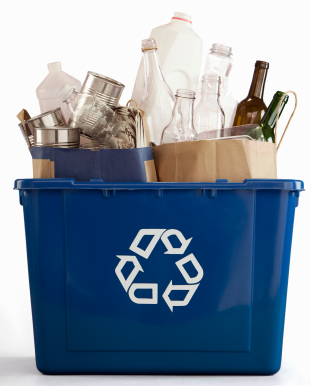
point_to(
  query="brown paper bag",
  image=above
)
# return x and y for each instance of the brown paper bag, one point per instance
(209, 160)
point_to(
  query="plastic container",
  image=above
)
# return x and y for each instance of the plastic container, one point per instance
(180, 55)
(47, 91)
(219, 62)
(158, 278)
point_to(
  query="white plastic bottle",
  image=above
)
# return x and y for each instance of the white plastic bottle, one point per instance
(179, 50)
(48, 89)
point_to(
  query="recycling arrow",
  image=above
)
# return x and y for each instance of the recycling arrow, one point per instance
(173, 303)
(131, 287)
(156, 233)
(180, 264)
(137, 267)
(170, 249)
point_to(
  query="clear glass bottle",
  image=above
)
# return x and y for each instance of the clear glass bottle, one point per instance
(157, 98)
(208, 116)
(220, 62)
(181, 128)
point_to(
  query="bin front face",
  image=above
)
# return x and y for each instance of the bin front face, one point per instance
(145, 273)
(171, 281)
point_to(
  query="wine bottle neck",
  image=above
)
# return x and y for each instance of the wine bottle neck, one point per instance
(258, 83)
(269, 118)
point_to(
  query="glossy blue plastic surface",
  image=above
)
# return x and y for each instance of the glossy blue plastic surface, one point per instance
(219, 310)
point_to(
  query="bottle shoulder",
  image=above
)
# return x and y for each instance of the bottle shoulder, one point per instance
(52, 83)
(211, 105)
(172, 28)
(249, 102)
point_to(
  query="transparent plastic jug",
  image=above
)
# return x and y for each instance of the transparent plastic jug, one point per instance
(158, 99)
(181, 128)
(220, 62)
(47, 91)
(179, 51)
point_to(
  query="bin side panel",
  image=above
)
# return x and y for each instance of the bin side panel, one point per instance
(101, 312)
(274, 227)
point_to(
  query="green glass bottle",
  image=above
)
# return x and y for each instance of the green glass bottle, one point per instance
(265, 130)
(251, 109)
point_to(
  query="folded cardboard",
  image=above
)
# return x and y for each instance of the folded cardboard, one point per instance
(109, 165)
(209, 160)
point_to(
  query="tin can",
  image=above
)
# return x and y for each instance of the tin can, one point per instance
(47, 119)
(56, 136)
(106, 89)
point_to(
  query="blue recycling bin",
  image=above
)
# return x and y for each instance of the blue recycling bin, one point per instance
(158, 278)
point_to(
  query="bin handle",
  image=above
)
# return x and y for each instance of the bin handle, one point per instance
(277, 118)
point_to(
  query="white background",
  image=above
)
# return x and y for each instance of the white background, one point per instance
(104, 36)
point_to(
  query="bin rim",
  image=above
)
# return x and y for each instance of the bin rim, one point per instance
(70, 183)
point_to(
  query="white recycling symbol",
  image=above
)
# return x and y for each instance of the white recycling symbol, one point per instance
(163, 234)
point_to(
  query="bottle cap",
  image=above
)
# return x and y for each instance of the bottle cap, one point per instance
(261, 64)
(182, 16)
(65, 92)
(148, 44)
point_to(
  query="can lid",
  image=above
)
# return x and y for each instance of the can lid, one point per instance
(65, 92)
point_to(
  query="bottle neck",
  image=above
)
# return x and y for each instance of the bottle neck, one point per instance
(54, 67)
(258, 83)
(210, 90)
(71, 97)
(182, 116)
(269, 118)
(151, 65)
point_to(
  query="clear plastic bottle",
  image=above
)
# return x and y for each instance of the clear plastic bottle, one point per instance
(181, 128)
(208, 116)
(157, 98)
(47, 91)
(179, 53)
(220, 62)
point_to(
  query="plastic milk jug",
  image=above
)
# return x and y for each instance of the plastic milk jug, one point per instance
(179, 51)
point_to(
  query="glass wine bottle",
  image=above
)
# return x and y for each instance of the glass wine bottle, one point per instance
(181, 128)
(251, 109)
(265, 131)
(157, 98)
